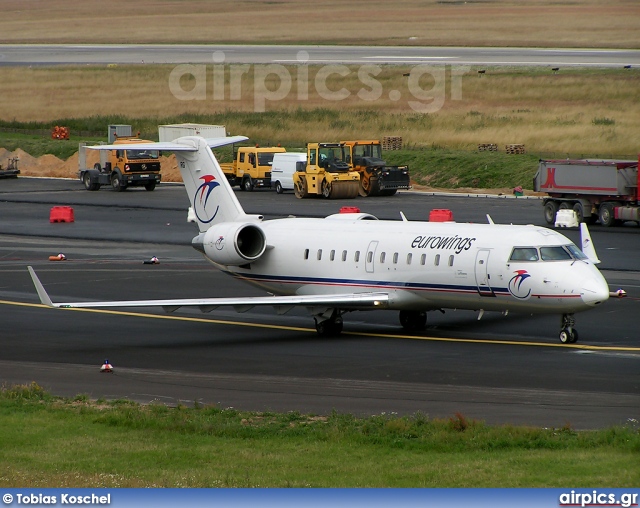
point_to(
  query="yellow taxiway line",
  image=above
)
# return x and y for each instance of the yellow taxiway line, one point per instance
(311, 330)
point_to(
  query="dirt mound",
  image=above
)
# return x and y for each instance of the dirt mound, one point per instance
(51, 166)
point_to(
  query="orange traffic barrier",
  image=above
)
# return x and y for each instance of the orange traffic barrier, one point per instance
(440, 215)
(61, 214)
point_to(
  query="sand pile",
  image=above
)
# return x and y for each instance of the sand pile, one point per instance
(51, 166)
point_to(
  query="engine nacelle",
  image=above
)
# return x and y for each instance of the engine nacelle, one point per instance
(234, 243)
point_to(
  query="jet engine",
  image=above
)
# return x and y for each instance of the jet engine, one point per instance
(232, 243)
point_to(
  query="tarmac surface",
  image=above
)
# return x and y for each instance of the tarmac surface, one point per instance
(501, 369)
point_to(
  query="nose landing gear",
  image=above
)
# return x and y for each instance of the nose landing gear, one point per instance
(568, 334)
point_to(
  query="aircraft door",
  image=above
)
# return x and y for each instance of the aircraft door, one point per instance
(483, 277)
(370, 257)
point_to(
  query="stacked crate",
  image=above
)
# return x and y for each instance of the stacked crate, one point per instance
(392, 143)
(514, 149)
(487, 147)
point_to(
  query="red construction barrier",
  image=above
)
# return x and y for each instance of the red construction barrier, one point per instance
(440, 215)
(349, 209)
(61, 214)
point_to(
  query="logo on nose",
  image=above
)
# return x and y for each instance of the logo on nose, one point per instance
(517, 286)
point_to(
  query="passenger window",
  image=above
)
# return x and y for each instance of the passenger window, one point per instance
(409, 256)
(344, 255)
(423, 259)
(451, 260)
(436, 261)
(356, 256)
(524, 254)
(554, 254)
(369, 256)
(306, 254)
(383, 255)
(395, 258)
(319, 254)
(332, 255)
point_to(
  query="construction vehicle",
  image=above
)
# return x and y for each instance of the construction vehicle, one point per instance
(11, 170)
(604, 190)
(121, 168)
(376, 178)
(251, 167)
(326, 173)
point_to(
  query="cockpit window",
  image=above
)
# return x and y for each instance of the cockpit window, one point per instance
(576, 252)
(524, 254)
(554, 254)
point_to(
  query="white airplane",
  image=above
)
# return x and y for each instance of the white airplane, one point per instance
(352, 261)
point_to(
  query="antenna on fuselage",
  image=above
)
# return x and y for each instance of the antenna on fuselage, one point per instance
(489, 219)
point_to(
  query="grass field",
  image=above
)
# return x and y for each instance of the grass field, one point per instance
(53, 442)
(577, 112)
(542, 23)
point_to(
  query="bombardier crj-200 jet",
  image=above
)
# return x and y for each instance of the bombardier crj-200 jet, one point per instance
(352, 261)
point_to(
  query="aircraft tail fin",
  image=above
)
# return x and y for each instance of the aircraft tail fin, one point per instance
(210, 195)
(587, 244)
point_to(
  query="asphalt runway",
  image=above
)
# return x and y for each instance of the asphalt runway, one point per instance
(501, 369)
(82, 54)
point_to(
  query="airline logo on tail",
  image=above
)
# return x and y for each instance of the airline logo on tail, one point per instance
(201, 198)
(515, 285)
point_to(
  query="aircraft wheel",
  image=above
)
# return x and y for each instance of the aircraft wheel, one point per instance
(568, 336)
(413, 320)
(329, 327)
(279, 189)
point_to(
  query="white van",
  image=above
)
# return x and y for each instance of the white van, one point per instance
(282, 169)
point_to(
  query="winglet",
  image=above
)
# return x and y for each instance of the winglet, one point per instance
(42, 293)
(587, 244)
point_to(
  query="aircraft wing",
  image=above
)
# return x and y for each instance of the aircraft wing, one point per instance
(282, 303)
(172, 146)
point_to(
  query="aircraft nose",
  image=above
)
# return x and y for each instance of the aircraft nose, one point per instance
(594, 291)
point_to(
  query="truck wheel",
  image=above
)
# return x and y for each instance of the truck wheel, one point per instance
(97, 167)
(606, 215)
(300, 188)
(582, 215)
(279, 189)
(247, 184)
(86, 180)
(550, 210)
(116, 181)
(326, 189)
(151, 185)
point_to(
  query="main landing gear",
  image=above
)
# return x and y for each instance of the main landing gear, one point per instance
(568, 334)
(413, 320)
(331, 326)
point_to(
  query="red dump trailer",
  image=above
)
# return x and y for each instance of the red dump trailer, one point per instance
(604, 190)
